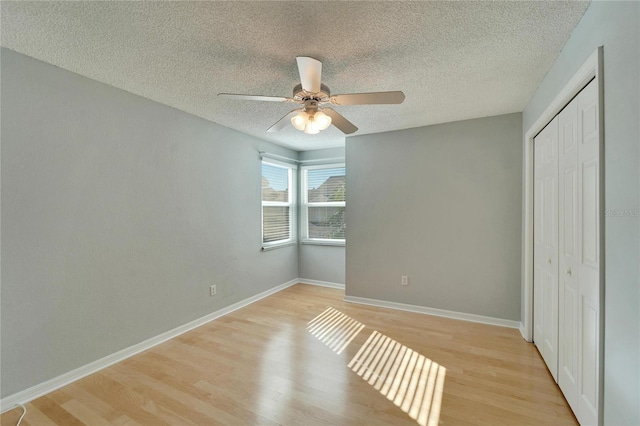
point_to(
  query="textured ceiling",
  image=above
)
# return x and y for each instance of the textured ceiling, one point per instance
(453, 60)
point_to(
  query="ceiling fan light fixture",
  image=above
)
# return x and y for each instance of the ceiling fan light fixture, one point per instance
(311, 122)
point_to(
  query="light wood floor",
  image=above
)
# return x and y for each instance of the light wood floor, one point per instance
(265, 364)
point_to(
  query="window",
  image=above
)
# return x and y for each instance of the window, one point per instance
(323, 204)
(278, 209)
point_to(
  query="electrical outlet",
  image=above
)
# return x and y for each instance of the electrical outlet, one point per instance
(212, 290)
(405, 280)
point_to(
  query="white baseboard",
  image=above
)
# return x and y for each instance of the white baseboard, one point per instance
(433, 311)
(524, 332)
(44, 388)
(321, 283)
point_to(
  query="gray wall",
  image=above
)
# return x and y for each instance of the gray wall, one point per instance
(315, 262)
(322, 263)
(117, 215)
(442, 205)
(613, 25)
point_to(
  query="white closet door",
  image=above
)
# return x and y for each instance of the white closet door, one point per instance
(545, 250)
(588, 255)
(568, 259)
(579, 256)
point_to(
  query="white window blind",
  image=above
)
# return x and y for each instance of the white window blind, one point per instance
(278, 214)
(323, 204)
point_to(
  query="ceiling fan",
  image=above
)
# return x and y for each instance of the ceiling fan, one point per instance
(313, 96)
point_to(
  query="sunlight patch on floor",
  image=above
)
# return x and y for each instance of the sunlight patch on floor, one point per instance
(334, 329)
(411, 381)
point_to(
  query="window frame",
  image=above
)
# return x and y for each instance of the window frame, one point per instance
(292, 170)
(305, 204)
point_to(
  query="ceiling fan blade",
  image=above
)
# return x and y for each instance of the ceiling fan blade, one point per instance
(281, 124)
(255, 97)
(310, 73)
(344, 125)
(368, 98)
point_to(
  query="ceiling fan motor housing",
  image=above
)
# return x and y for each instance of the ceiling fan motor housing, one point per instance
(322, 96)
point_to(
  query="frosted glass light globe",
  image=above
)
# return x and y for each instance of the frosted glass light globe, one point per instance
(312, 127)
(300, 121)
(322, 119)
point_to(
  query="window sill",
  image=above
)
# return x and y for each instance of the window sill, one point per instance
(280, 245)
(336, 243)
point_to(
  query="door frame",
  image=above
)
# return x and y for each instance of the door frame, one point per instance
(592, 68)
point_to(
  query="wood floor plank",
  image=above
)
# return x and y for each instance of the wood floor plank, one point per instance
(34, 417)
(50, 408)
(263, 365)
(84, 413)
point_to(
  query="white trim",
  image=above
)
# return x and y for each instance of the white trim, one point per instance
(433, 311)
(264, 154)
(279, 245)
(44, 388)
(340, 165)
(522, 331)
(277, 160)
(323, 242)
(589, 70)
(321, 283)
(283, 164)
(332, 159)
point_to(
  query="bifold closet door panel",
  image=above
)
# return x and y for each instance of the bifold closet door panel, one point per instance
(579, 255)
(546, 245)
(568, 252)
(589, 254)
